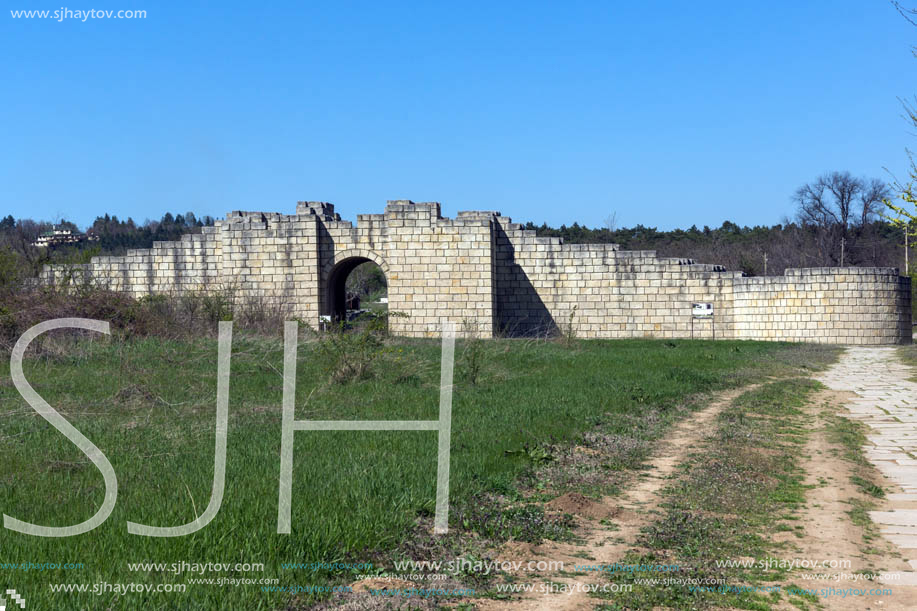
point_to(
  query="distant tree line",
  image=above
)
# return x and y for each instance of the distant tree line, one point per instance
(116, 236)
(837, 223)
(744, 248)
(19, 258)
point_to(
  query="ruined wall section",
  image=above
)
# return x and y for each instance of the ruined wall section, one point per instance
(597, 290)
(259, 262)
(191, 264)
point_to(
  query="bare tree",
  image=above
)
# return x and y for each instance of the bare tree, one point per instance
(611, 222)
(836, 206)
(871, 198)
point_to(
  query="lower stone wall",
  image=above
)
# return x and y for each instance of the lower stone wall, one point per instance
(862, 306)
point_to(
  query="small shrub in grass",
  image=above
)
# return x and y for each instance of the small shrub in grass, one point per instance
(471, 361)
(534, 452)
(378, 322)
(164, 315)
(348, 356)
(568, 329)
(349, 350)
(216, 307)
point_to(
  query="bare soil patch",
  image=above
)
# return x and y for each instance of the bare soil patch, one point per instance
(381, 584)
(582, 506)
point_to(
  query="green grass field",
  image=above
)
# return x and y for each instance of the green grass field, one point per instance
(149, 405)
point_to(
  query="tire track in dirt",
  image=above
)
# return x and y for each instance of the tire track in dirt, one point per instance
(604, 543)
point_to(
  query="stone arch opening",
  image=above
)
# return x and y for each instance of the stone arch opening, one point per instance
(355, 283)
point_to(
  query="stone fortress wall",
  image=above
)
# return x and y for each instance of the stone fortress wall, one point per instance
(482, 268)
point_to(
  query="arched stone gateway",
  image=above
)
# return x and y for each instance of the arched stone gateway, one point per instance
(483, 268)
(334, 276)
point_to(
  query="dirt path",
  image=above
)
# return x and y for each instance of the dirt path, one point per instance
(872, 386)
(830, 534)
(609, 527)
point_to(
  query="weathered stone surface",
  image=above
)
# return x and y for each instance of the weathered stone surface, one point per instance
(482, 267)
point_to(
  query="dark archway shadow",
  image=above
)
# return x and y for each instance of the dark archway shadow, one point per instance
(336, 298)
(520, 312)
(336, 303)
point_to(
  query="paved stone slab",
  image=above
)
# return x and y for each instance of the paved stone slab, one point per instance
(907, 517)
(902, 496)
(899, 530)
(886, 401)
(903, 541)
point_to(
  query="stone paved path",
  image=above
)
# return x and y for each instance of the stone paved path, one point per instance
(887, 402)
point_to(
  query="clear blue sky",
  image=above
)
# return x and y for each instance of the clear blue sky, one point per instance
(670, 113)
